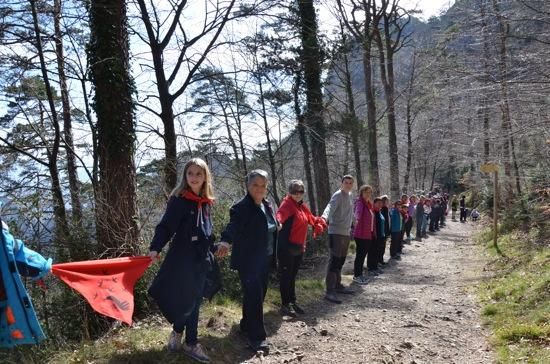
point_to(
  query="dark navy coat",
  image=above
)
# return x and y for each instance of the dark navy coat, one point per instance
(180, 279)
(247, 232)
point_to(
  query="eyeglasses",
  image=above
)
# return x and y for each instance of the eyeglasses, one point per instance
(299, 192)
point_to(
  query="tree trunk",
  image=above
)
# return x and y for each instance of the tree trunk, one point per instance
(74, 187)
(385, 53)
(302, 135)
(372, 138)
(60, 214)
(408, 112)
(270, 154)
(484, 111)
(110, 71)
(356, 128)
(504, 102)
(311, 62)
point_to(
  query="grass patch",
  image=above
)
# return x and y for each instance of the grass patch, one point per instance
(517, 298)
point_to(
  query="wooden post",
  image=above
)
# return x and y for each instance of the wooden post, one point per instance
(495, 213)
(493, 168)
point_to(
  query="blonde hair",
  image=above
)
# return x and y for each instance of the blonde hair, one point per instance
(206, 189)
(364, 188)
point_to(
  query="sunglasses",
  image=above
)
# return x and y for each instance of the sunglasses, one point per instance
(298, 192)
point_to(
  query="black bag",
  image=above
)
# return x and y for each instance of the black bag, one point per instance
(213, 283)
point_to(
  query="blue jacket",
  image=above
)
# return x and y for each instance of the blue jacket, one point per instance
(180, 280)
(380, 225)
(247, 232)
(396, 220)
(18, 322)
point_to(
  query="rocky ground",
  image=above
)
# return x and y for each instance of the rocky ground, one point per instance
(421, 310)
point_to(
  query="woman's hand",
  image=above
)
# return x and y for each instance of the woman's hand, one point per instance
(222, 249)
(154, 255)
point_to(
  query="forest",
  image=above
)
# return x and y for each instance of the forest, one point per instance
(103, 101)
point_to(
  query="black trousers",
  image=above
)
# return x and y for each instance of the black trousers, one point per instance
(462, 214)
(254, 287)
(395, 244)
(408, 227)
(289, 263)
(365, 248)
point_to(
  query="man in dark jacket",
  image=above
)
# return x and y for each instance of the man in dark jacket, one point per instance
(252, 231)
(462, 203)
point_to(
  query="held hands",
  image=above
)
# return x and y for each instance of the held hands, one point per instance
(222, 249)
(154, 255)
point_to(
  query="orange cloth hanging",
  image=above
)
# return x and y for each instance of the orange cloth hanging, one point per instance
(107, 284)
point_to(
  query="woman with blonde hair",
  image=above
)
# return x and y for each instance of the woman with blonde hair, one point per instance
(179, 284)
(364, 235)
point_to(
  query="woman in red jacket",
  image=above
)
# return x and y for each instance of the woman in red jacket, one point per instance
(295, 217)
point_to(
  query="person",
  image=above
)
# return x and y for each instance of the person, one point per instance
(178, 286)
(454, 207)
(364, 235)
(411, 207)
(462, 204)
(385, 210)
(396, 230)
(294, 217)
(380, 230)
(426, 219)
(419, 214)
(252, 232)
(435, 215)
(443, 212)
(474, 214)
(339, 216)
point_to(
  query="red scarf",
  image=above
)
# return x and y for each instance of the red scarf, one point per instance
(190, 195)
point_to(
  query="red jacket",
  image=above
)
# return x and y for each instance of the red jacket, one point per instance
(295, 218)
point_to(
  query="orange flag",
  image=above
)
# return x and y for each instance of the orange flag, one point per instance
(107, 284)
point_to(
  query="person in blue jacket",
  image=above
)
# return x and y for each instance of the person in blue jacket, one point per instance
(18, 321)
(396, 219)
(252, 231)
(179, 284)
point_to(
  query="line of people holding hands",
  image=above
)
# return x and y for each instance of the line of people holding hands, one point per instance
(258, 237)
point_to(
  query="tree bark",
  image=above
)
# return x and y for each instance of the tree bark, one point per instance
(302, 135)
(74, 184)
(270, 154)
(311, 62)
(504, 101)
(60, 214)
(110, 70)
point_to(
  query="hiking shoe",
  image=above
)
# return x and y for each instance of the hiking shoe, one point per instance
(196, 352)
(174, 341)
(331, 297)
(297, 308)
(373, 272)
(362, 280)
(344, 290)
(259, 345)
(288, 310)
(396, 257)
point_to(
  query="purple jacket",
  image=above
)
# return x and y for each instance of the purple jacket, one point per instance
(365, 227)
(411, 210)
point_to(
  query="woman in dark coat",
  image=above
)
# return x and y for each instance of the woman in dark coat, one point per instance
(252, 230)
(179, 284)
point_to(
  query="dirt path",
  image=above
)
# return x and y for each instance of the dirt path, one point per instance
(421, 310)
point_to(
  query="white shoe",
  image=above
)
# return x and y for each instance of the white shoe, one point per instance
(174, 341)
